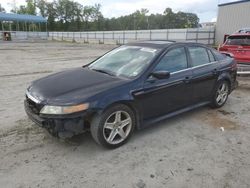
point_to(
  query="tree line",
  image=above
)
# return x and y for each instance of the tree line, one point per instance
(68, 15)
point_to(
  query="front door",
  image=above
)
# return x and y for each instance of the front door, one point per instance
(161, 96)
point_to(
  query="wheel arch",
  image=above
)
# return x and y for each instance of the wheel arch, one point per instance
(128, 103)
(132, 106)
(225, 77)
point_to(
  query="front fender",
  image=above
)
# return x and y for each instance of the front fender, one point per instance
(120, 97)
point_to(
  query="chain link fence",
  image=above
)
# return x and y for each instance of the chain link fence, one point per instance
(201, 35)
(24, 35)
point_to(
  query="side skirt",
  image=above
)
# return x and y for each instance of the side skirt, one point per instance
(149, 122)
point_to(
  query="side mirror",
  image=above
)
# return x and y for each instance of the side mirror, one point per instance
(161, 74)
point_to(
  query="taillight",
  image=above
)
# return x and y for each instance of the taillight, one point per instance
(223, 49)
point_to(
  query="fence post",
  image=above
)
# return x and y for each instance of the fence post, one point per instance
(113, 35)
(197, 34)
(135, 34)
(209, 36)
(150, 34)
(123, 37)
(186, 34)
(167, 34)
(103, 37)
(214, 31)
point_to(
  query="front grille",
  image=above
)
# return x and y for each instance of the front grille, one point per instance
(34, 107)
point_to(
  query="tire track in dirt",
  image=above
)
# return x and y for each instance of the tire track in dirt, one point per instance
(25, 74)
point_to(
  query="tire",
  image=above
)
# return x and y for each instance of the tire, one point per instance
(220, 95)
(114, 126)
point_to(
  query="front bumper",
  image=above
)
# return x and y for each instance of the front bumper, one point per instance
(60, 126)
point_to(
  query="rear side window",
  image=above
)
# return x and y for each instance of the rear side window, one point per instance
(218, 55)
(174, 60)
(199, 56)
(211, 56)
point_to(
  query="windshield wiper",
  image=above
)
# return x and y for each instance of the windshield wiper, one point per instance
(103, 71)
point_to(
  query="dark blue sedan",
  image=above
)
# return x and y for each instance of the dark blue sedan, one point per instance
(130, 87)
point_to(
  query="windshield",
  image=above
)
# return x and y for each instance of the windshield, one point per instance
(127, 61)
(238, 40)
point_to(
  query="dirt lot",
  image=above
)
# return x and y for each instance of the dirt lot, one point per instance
(189, 150)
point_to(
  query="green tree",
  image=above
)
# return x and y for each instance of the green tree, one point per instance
(30, 8)
(69, 15)
(87, 15)
(42, 6)
(51, 15)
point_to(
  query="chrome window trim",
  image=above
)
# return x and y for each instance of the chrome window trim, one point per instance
(181, 70)
(32, 98)
(205, 64)
(198, 66)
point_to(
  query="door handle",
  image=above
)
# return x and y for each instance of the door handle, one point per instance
(215, 71)
(187, 80)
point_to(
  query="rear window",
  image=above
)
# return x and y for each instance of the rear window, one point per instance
(218, 55)
(238, 40)
(211, 56)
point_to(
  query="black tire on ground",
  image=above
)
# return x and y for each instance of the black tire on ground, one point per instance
(215, 103)
(98, 122)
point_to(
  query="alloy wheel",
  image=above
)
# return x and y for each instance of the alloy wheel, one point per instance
(222, 93)
(117, 127)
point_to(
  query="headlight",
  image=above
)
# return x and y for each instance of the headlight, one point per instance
(47, 109)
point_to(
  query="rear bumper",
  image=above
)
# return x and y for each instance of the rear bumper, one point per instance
(243, 68)
(63, 126)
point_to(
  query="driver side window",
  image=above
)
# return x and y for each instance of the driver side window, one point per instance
(174, 60)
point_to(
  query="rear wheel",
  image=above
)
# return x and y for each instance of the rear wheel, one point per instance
(114, 126)
(221, 94)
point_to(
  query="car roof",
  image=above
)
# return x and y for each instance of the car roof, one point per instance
(152, 43)
(241, 34)
(159, 44)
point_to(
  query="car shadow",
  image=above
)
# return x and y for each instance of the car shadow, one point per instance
(86, 140)
(169, 122)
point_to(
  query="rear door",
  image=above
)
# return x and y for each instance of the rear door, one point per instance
(205, 72)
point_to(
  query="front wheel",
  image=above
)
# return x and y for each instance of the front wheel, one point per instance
(114, 126)
(221, 94)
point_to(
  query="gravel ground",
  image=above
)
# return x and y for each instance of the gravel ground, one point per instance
(189, 150)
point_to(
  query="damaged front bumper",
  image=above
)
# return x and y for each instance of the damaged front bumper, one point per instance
(63, 126)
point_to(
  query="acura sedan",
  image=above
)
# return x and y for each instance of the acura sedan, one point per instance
(130, 87)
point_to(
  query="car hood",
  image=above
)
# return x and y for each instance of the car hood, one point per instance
(72, 86)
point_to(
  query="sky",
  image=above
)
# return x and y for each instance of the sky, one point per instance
(205, 9)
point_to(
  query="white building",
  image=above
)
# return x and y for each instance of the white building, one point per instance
(232, 17)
